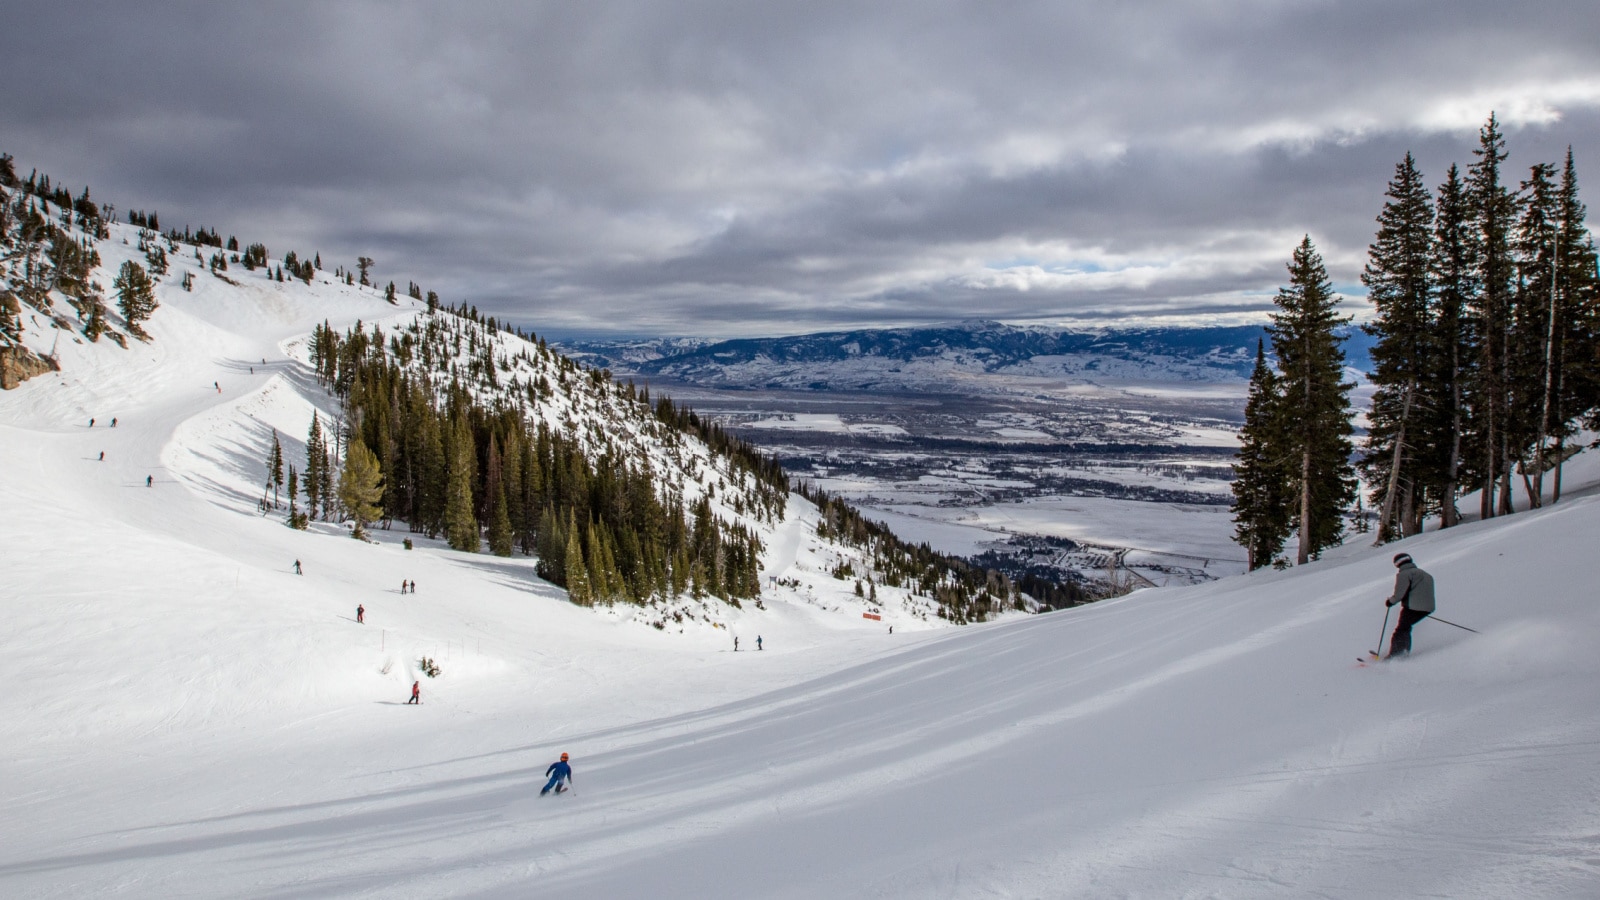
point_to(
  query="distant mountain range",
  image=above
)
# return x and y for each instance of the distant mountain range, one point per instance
(928, 357)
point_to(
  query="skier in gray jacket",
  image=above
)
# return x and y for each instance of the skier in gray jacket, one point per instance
(1413, 590)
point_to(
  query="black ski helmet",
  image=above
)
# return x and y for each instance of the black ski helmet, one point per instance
(1401, 559)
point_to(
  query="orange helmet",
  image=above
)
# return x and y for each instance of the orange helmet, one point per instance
(563, 757)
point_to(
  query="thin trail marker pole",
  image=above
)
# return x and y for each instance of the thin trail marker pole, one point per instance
(1462, 627)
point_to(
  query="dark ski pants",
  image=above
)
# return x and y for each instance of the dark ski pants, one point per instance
(1400, 643)
(554, 780)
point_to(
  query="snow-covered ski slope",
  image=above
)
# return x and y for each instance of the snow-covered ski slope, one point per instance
(186, 717)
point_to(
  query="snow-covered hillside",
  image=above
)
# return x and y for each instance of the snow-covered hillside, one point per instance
(254, 331)
(187, 717)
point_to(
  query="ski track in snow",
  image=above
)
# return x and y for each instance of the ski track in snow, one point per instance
(187, 717)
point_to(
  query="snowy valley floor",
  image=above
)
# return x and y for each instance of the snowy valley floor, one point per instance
(185, 717)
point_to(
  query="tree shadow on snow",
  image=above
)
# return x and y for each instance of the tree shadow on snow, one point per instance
(505, 572)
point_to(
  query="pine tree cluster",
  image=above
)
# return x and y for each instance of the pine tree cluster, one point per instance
(457, 415)
(1488, 336)
(1485, 366)
(47, 248)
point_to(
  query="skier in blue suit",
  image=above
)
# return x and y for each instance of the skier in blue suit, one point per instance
(558, 772)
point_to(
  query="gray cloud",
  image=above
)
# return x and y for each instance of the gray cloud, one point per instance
(726, 168)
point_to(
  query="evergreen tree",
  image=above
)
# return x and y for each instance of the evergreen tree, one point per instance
(135, 295)
(678, 581)
(360, 486)
(326, 473)
(551, 544)
(1494, 212)
(500, 540)
(493, 478)
(518, 514)
(94, 325)
(577, 571)
(1398, 284)
(1317, 430)
(316, 460)
(1576, 365)
(1260, 499)
(1454, 276)
(460, 525)
(431, 469)
(1535, 324)
(275, 468)
(296, 520)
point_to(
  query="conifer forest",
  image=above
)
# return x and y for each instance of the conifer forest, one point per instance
(1486, 316)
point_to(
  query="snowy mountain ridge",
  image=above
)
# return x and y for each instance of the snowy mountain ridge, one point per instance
(978, 351)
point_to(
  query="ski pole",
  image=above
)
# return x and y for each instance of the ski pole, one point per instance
(1387, 609)
(1462, 627)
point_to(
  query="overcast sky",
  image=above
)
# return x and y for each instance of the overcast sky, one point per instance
(746, 168)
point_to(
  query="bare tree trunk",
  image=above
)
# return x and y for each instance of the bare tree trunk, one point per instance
(1561, 458)
(1304, 552)
(1387, 514)
(1549, 377)
(1503, 394)
(1448, 515)
(1507, 501)
(1490, 475)
(1561, 433)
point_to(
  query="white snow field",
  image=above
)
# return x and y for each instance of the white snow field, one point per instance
(186, 717)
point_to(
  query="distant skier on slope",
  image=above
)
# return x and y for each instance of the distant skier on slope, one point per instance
(297, 568)
(559, 772)
(361, 614)
(416, 693)
(758, 642)
(1413, 590)
(149, 480)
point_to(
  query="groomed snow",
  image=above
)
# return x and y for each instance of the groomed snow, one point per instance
(186, 717)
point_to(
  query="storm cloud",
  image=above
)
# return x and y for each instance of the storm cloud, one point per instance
(727, 168)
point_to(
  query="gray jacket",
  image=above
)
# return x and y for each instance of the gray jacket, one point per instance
(1413, 588)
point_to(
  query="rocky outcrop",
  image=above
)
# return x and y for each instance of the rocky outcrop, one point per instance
(18, 364)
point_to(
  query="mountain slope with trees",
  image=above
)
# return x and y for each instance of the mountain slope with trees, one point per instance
(458, 426)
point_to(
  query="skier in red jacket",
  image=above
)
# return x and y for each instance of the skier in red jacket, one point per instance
(416, 693)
